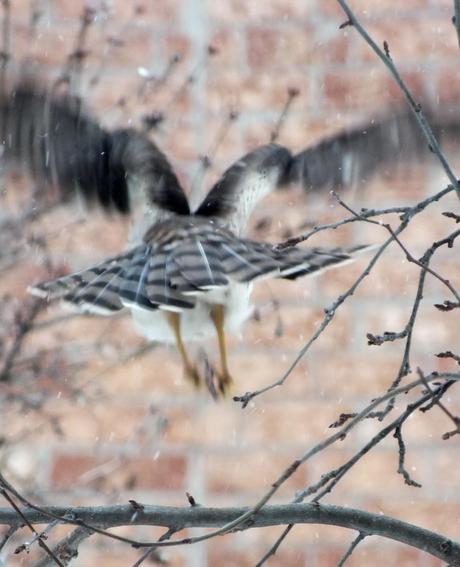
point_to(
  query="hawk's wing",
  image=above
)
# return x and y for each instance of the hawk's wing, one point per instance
(52, 138)
(352, 157)
(347, 159)
(244, 183)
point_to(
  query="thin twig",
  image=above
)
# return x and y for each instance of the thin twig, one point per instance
(42, 544)
(207, 159)
(292, 93)
(455, 419)
(191, 78)
(367, 213)
(8, 535)
(402, 457)
(71, 73)
(5, 54)
(456, 19)
(354, 544)
(67, 548)
(23, 327)
(384, 55)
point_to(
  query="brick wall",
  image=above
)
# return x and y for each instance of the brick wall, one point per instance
(112, 427)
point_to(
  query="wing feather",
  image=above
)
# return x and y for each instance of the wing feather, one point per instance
(77, 281)
(244, 183)
(347, 159)
(196, 267)
(58, 143)
(351, 157)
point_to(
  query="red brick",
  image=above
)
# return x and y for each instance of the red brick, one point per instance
(358, 89)
(237, 473)
(100, 423)
(47, 47)
(232, 90)
(447, 84)
(177, 44)
(163, 11)
(122, 557)
(165, 473)
(256, 368)
(230, 47)
(424, 39)
(240, 11)
(225, 555)
(268, 47)
(73, 11)
(24, 274)
(134, 50)
(331, 49)
(370, 553)
(268, 423)
(350, 375)
(159, 373)
(384, 8)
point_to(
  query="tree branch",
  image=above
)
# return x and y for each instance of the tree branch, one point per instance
(202, 517)
(67, 548)
(456, 19)
(354, 544)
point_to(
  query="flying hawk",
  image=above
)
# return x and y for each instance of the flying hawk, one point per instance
(190, 273)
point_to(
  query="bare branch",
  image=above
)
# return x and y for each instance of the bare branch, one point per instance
(8, 535)
(330, 479)
(456, 19)
(24, 325)
(410, 258)
(416, 108)
(39, 537)
(354, 544)
(437, 401)
(292, 93)
(328, 317)
(5, 54)
(365, 522)
(67, 548)
(402, 457)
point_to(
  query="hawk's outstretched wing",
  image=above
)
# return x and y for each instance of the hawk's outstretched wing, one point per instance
(244, 183)
(58, 143)
(347, 159)
(352, 157)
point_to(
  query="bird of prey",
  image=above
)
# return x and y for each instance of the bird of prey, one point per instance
(189, 275)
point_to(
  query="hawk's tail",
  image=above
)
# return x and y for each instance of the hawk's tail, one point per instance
(174, 276)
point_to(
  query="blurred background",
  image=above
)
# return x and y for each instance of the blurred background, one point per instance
(92, 414)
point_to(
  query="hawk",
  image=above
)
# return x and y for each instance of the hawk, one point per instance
(189, 274)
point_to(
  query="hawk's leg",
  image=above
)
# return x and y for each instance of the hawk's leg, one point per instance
(190, 371)
(217, 316)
